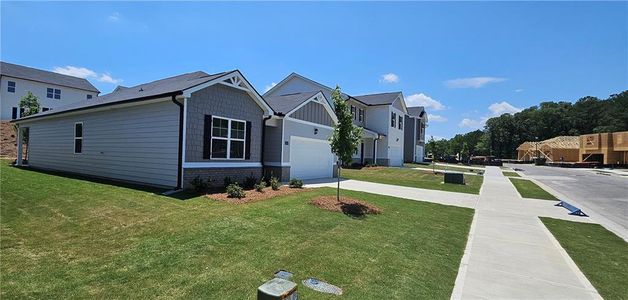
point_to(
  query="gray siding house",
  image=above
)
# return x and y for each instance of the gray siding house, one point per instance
(414, 140)
(380, 115)
(297, 138)
(162, 133)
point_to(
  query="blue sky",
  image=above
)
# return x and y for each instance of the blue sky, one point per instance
(465, 61)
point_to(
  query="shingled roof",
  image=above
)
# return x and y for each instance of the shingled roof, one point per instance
(416, 111)
(153, 89)
(27, 73)
(283, 104)
(378, 99)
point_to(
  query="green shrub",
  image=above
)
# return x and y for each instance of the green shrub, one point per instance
(260, 186)
(235, 191)
(249, 182)
(200, 185)
(274, 183)
(296, 183)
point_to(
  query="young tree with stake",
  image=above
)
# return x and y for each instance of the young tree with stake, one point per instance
(346, 136)
(30, 105)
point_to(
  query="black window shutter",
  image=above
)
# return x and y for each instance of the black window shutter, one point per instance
(247, 152)
(14, 113)
(207, 135)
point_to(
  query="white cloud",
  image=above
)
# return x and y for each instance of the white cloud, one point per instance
(472, 123)
(390, 78)
(472, 82)
(86, 73)
(498, 109)
(436, 118)
(270, 86)
(518, 90)
(114, 17)
(425, 101)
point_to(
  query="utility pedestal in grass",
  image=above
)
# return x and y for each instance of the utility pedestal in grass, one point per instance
(276, 289)
(454, 177)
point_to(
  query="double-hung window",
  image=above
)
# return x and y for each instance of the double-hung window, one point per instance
(361, 115)
(228, 138)
(89, 96)
(11, 87)
(353, 114)
(400, 122)
(393, 118)
(53, 93)
(78, 137)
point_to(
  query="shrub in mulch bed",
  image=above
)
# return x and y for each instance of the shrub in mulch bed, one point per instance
(349, 206)
(253, 196)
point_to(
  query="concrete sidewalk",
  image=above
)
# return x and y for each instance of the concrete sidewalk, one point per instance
(434, 196)
(511, 254)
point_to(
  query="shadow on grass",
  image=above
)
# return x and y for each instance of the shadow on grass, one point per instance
(354, 210)
(183, 195)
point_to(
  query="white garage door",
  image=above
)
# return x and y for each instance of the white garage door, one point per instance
(310, 158)
(396, 156)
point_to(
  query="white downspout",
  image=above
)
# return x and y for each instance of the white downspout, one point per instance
(375, 152)
(185, 126)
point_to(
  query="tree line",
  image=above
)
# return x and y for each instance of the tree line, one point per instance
(503, 134)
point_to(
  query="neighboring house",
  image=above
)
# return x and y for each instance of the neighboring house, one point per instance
(381, 116)
(162, 133)
(52, 89)
(414, 140)
(296, 143)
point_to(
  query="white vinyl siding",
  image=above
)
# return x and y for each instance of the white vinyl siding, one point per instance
(138, 144)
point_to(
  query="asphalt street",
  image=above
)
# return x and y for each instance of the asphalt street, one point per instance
(606, 195)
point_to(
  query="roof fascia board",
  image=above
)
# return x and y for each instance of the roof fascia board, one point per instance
(240, 83)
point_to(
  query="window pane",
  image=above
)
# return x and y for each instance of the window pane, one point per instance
(237, 149)
(237, 130)
(12, 83)
(219, 148)
(57, 96)
(11, 89)
(220, 127)
(78, 145)
(89, 96)
(49, 95)
(57, 91)
(49, 90)
(78, 130)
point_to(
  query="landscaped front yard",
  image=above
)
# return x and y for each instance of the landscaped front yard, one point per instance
(449, 167)
(69, 238)
(413, 178)
(600, 254)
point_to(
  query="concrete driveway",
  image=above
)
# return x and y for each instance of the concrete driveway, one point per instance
(605, 195)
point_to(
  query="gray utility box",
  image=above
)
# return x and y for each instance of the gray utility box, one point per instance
(454, 177)
(277, 288)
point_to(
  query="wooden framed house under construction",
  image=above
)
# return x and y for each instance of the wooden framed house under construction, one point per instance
(606, 148)
(557, 149)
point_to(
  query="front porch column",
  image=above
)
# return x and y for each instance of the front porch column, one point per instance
(375, 151)
(20, 137)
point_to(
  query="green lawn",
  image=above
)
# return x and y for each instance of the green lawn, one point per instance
(600, 254)
(69, 238)
(458, 168)
(510, 174)
(529, 189)
(413, 178)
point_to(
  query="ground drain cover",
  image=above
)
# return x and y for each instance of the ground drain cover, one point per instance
(321, 286)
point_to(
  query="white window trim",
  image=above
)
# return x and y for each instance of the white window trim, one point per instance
(228, 139)
(360, 115)
(77, 138)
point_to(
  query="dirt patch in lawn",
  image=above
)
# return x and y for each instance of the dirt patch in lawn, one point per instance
(348, 206)
(253, 195)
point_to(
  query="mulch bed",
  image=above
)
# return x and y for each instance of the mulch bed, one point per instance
(253, 195)
(347, 205)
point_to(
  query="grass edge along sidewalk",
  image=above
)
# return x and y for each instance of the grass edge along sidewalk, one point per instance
(600, 254)
(529, 189)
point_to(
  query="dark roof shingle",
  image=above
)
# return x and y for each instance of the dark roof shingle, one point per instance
(283, 104)
(416, 111)
(155, 88)
(378, 99)
(22, 72)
